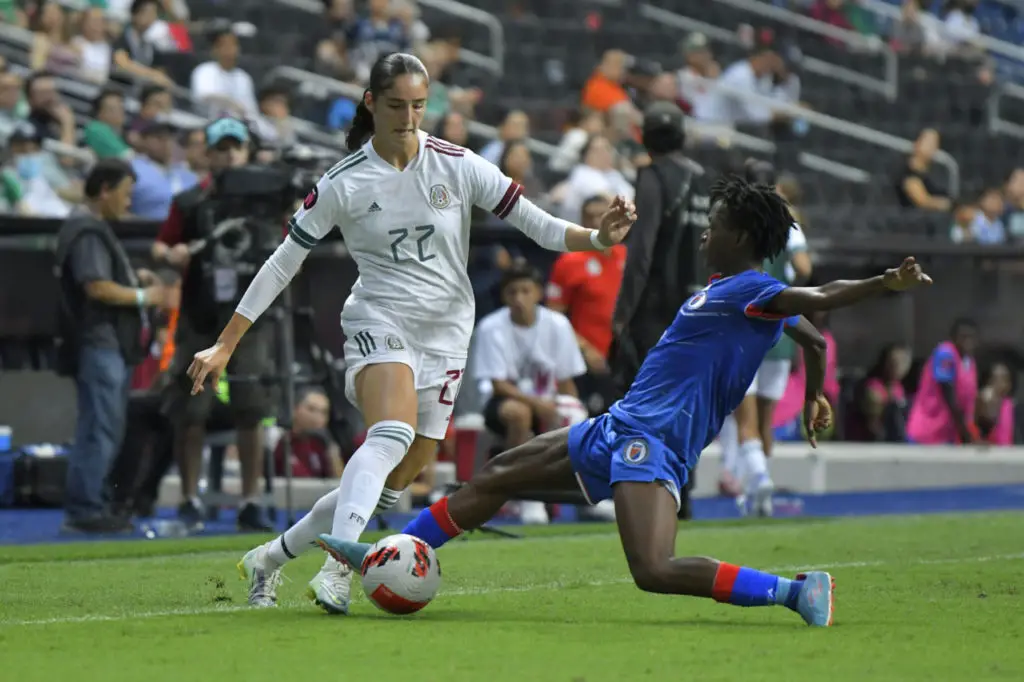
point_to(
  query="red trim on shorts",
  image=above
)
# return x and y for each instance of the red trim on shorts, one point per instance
(759, 313)
(725, 578)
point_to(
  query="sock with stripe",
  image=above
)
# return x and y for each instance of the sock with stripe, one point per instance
(743, 586)
(300, 537)
(388, 499)
(362, 481)
(434, 525)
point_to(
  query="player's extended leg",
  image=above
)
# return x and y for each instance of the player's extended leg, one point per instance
(387, 398)
(330, 587)
(646, 516)
(753, 466)
(538, 465)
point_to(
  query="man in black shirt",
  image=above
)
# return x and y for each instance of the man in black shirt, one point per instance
(133, 52)
(663, 267)
(103, 327)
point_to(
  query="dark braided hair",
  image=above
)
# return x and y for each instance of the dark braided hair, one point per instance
(756, 210)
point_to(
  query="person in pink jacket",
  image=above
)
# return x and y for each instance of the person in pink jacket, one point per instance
(943, 409)
(995, 407)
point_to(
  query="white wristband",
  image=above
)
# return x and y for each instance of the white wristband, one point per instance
(140, 297)
(595, 239)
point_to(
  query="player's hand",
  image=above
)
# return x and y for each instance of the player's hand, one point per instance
(907, 276)
(817, 417)
(208, 364)
(616, 222)
(147, 278)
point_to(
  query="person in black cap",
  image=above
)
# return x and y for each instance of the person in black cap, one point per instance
(662, 268)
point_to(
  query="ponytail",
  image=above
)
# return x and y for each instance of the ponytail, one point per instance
(362, 126)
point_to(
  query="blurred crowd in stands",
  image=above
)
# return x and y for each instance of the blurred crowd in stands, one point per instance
(122, 46)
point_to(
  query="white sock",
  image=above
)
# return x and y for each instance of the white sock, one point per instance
(753, 464)
(300, 537)
(728, 438)
(362, 481)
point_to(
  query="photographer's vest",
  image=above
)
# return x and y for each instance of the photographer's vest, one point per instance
(128, 321)
(198, 310)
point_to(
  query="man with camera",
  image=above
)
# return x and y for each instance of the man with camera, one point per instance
(210, 292)
(663, 266)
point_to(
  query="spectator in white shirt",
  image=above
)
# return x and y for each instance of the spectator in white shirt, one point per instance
(700, 65)
(582, 126)
(754, 75)
(93, 46)
(515, 126)
(221, 84)
(596, 176)
(525, 356)
(960, 29)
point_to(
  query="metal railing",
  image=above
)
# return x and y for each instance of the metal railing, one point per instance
(998, 124)
(846, 128)
(887, 86)
(495, 62)
(355, 92)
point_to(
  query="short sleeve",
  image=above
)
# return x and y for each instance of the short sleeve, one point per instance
(758, 295)
(797, 240)
(489, 188)
(321, 211)
(559, 289)
(570, 360)
(944, 365)
(489, 361)
(90, 260)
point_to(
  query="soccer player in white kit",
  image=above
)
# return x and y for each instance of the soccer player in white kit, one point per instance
(402, 201)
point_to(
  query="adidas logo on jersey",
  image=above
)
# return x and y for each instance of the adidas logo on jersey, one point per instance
(374, 208)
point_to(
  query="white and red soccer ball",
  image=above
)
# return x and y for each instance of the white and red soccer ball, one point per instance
(570, 411)
(401, 574)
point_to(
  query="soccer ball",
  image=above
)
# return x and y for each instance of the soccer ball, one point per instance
(570, 411)
(401, 574)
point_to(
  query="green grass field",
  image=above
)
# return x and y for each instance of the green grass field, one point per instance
(936, 598)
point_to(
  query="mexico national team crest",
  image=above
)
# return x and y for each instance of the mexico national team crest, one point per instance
(394, 343)
(310, 200)
(635, 452)
(440, 197)
(698, 300)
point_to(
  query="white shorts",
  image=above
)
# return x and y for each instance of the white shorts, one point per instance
(437, 378)
(771, 380)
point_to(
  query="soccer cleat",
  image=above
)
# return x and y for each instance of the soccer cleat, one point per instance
(760, 498)
(345, 551)
(329, 589)
(816, 599)
(262, 582)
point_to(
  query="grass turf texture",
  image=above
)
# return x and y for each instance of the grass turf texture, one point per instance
(919, 598)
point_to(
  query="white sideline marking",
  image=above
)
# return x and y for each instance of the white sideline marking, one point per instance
(562, 585)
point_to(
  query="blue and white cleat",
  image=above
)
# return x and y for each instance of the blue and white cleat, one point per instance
(817, 598)
(329, 589)
(347, 552)
(263, 582)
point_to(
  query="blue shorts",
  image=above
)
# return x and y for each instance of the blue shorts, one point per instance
(604, 451)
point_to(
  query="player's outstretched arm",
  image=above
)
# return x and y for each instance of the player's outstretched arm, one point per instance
(842, 293)
(817, 411)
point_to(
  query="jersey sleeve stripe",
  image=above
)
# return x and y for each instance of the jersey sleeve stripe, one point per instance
(345, 164)
(301, 237)
(509, 201)
(757, 312)
(441, 150)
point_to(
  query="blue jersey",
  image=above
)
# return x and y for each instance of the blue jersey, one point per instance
(702, 366)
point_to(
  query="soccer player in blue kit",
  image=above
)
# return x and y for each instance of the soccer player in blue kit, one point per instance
(641, 452)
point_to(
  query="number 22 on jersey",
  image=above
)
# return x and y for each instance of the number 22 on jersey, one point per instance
(421, 251)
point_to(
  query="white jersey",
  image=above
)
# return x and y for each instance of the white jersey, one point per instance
(408, 232)
(533, 358)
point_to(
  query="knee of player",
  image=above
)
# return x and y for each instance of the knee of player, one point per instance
(515, 414)
(650, 575)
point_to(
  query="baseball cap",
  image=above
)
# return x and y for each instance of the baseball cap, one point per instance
(226, 128)
(25, 131)
(160, 124)
(695, 42)
(663, 116)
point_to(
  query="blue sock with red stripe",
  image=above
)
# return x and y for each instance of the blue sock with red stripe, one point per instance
(743, 586)
(434, 525)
